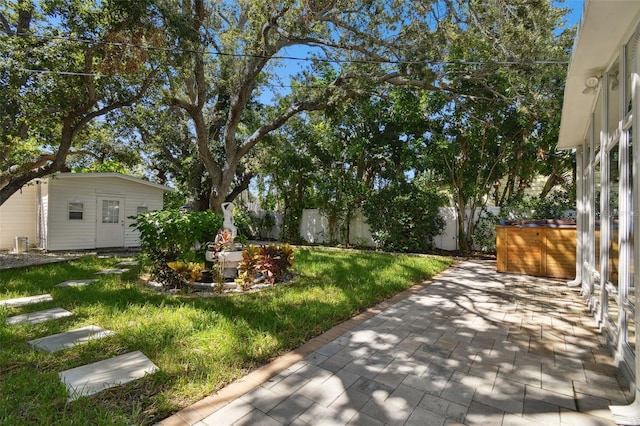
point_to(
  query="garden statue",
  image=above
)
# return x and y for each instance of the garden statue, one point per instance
(224, 251)
(227, 224)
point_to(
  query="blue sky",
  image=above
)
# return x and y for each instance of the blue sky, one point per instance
(576, 10)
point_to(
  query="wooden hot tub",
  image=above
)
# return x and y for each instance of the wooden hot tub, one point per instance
(544, 248)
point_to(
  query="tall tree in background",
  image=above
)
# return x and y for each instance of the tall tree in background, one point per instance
(474, 60)
(334, 159)
(62, 65)
(504, 108)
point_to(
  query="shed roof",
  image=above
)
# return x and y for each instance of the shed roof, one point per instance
(601, 32)
(110, 175)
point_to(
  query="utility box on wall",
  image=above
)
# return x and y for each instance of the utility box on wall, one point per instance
(21, 245)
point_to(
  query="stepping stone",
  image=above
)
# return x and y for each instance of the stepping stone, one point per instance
(68, 339)
(93, 378)
(38, 317)
(111, 271)
(131, 263)
(75, 283)
(21, 301)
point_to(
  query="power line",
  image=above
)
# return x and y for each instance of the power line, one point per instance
(297, 58)
(266, 87)
(73, 73)
(98, 75)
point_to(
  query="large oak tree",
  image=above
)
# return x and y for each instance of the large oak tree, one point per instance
(228, 52)
(64, 64)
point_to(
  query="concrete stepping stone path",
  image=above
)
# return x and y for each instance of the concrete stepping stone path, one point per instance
(93, 378)
(76, 283)
(57, 342)
(29, 300)
(111, 271)
(39, 316)
(128, 263)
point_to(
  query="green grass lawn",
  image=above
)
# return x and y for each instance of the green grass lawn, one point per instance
(200, 344)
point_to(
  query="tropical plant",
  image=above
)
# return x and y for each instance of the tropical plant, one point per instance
(248, 269)
(223, 242)
(174, 235)
(169, 235)
(192, 271)
(272, 262)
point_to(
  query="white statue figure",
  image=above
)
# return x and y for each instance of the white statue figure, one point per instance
(227, 224)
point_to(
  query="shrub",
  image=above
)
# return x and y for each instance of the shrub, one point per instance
(484, 236)
(244, 221)
(404, 217)
(554, 206)
(174, 235)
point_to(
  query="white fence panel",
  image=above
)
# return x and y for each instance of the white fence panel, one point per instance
(314, 227)
(448, 239)
(275, 231)
(359, 231)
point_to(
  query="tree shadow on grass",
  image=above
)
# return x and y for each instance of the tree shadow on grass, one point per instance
(254, 327)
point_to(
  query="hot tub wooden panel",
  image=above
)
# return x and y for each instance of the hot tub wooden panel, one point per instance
(537, 250)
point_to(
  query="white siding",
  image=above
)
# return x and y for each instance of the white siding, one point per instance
(65, 234)
(18, 217)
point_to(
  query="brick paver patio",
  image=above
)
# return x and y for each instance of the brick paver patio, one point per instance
(470, 346)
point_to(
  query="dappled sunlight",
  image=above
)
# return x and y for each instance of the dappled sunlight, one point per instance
(199, 343)
(489, 349)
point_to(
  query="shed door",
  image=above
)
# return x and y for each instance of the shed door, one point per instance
(110, 227)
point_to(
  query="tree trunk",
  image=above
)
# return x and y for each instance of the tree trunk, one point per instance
(462, 238)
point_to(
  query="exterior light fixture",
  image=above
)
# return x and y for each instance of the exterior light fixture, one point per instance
(591, 85)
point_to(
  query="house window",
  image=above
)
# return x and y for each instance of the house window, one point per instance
(76, 211)
(141, 209)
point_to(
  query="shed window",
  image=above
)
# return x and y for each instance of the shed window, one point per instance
(110, 211)
(141, 209)
(76, 211)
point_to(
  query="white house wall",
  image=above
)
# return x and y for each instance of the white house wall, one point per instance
(602, 124)
(66, 234)
(18, 217)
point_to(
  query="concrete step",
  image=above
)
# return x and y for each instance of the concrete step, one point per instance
(112, 271)
(128, 263)
(76, 283)
(57, 342)
(39, 316)
(93, 378)
(29, 300)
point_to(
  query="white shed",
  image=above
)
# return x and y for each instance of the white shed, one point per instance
(74, 211)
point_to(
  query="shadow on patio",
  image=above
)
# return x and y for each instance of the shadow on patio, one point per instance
(470, 346)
